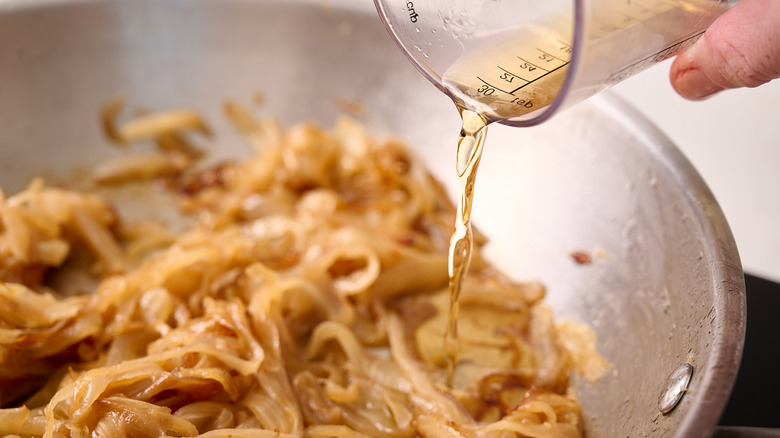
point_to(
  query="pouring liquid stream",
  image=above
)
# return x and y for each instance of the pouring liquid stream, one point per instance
(534, 62)
(470, 145)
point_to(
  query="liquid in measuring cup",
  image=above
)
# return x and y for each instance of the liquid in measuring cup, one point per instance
(512, 73)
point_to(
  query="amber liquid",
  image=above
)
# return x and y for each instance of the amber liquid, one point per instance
(511, 74)
(470, 144)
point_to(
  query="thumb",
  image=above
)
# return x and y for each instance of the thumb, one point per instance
(740, 49)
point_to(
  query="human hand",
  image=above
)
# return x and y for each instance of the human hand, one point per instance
(740, 49)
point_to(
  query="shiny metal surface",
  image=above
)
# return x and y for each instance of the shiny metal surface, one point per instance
(665, 286)
(676, 387)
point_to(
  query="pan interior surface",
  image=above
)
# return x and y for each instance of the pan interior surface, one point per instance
(665, 287)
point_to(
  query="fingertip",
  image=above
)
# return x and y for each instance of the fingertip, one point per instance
(740, 49)
(693, 84)
(688, 78)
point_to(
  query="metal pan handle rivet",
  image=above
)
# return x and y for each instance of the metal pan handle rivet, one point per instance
(676, 387)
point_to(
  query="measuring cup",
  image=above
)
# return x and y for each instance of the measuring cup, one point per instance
(517, 62)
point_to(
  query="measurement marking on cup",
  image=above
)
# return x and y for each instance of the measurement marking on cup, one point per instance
(643, 63)
(512, 76)
(510, 73)
(549, 57)
(485, 92)
(530, 64)
(489, 88)
(540, 77)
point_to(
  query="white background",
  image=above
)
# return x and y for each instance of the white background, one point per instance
(733, 140)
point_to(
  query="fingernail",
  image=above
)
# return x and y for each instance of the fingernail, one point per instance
(688, 79)
(692, 84)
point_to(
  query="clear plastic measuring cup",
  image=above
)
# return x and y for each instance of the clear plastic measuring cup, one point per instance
(519, 61)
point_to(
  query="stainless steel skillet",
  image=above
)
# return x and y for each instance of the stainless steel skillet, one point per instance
(665, 288)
